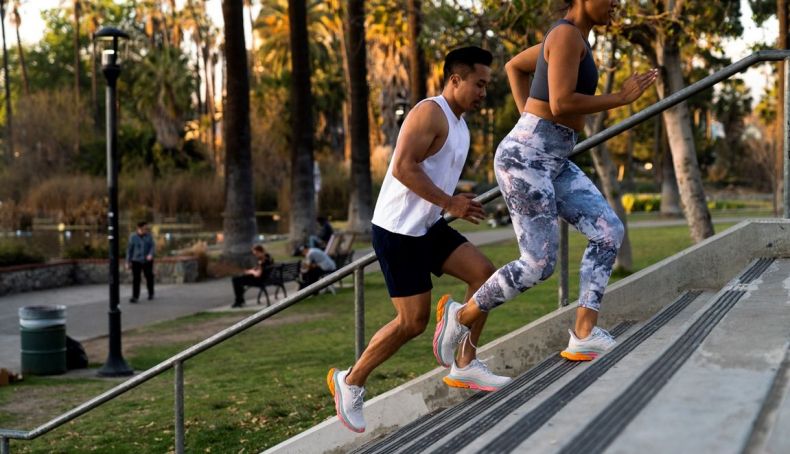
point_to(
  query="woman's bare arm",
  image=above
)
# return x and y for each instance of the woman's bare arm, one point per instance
(518, 70)
(564, 50)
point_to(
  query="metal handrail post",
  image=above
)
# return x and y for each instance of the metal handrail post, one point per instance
(786, 145)
(359, 309)
(179, 406)
(562, 290)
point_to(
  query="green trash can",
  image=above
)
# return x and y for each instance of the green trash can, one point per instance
(43, 332)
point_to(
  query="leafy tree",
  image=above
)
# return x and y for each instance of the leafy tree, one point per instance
(661, 29)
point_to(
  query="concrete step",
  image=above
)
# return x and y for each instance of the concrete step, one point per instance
(470, 423)
(719, 399)
(709, 373)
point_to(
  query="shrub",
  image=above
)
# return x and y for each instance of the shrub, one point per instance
(76, 199)
(16, 254)
(92, 250)
(641, 202)
(725, 205)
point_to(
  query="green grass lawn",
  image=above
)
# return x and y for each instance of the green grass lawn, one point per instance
(268, 383)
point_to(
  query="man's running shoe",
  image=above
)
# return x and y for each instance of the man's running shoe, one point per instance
(348, 400)
(475, 375)
(449, 331)
(594, 345)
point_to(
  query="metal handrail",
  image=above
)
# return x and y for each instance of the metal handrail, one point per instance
(357, 266)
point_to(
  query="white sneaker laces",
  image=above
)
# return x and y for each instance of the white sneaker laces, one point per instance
(481, 365)
(357, 398)
(466, 337)
(604, 335)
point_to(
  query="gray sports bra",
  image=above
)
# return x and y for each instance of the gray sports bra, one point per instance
(586, 82)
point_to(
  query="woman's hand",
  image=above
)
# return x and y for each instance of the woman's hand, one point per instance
(635, 85)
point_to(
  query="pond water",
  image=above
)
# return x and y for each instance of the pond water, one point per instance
(54, 241)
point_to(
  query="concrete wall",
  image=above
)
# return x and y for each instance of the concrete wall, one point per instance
(26, 278)
(707, 265)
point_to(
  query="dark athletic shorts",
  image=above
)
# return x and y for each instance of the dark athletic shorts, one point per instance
(408, 261)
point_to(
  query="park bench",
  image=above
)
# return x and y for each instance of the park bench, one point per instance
(278, 276)
(338, 248)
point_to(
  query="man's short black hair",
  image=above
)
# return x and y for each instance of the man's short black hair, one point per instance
(462, 61)
(141, 224)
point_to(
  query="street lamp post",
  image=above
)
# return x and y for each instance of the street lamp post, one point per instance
(115, 366)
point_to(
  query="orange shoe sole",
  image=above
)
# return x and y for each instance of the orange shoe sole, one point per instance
(459, 384)
(440, 307)
(577, 356)
(330, 381)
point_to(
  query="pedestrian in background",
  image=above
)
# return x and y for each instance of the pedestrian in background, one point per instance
(140, 258)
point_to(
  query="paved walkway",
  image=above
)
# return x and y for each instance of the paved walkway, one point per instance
(87, 306)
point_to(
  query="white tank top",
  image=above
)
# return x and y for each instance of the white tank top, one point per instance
(398, 208)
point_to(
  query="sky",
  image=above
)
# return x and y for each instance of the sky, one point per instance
(33, 29)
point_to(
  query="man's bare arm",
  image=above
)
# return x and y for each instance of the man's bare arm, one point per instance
(424, 127)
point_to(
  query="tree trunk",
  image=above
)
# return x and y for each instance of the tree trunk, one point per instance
(94, 88)
(783, 42)
(417, 66)
(607, 172)
(8, 111)
(239, 227)
(22, 65)
(303, 214)
(252, 42)
(681, 142)
(360, 210)
(670, 197)
(77, 72)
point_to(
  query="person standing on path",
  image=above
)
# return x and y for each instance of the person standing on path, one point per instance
(140, 258)
(412, 239)
(539, 183)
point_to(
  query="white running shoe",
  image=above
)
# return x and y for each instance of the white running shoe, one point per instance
(589, 348)
(476, 375)
(348, 400)
(449, 331)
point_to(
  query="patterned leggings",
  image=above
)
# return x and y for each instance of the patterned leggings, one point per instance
(539, 184)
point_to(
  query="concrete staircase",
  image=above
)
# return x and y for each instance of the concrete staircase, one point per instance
(707, 372)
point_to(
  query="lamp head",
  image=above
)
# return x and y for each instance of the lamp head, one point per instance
(113, 47)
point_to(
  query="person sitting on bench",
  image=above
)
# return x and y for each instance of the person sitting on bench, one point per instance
(252, 276)
(316, 263)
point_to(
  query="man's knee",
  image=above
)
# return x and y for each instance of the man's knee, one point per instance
(413, 327)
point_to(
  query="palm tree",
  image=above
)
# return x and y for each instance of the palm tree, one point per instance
(93, 18)
(302, 129)
(16, 19)
(360, 210)
(77, 64)
(239, 226)
(417, 67)
(163, 92)
(9, 128)
(303, 211)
